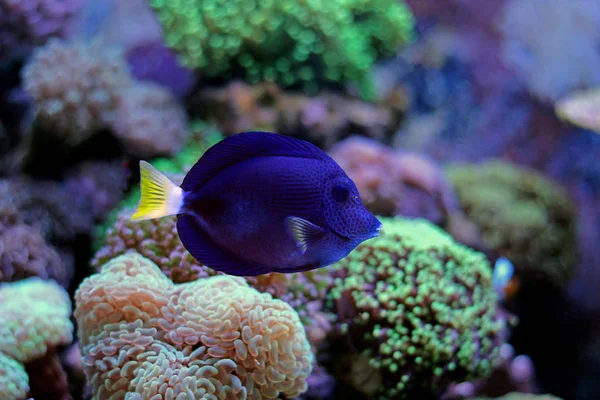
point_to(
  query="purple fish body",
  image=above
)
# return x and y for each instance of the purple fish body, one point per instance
(259, 202)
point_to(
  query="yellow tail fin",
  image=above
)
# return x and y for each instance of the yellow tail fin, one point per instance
(160, 197)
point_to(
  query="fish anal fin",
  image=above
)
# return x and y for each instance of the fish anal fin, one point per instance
(203, 249)
(304, 232)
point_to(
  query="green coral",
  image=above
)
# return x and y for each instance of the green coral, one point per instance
(288, 41)
(419, 307)
(522, 216)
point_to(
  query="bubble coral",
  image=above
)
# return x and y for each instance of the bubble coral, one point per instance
(420, 310)
(34, 319)
(25, 24)
(285, 41)
(150, 121)
(159, 241)
(522, 216)
(76, 86)
(142, 335)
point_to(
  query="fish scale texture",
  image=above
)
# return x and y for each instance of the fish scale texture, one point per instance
(34, 318)
(215, 338)
(419, 308)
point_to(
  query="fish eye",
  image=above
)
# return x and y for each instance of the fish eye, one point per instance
(340, 193)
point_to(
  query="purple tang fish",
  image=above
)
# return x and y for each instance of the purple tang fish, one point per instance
(259, 202)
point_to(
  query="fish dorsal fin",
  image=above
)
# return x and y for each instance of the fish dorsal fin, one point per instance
(245, 146)
(304, 232)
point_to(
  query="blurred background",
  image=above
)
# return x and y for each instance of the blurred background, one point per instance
(471, 127)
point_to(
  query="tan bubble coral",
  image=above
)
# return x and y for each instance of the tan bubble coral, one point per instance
(34, 319)
(216, 338)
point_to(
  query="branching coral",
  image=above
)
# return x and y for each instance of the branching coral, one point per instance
(285, 41)
(419, 308)
(34, 319)
(522, 215)
(25, 24)
(144, 336)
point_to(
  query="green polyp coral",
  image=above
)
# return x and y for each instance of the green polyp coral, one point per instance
(522, 216)
(420, 307)
(292, 42)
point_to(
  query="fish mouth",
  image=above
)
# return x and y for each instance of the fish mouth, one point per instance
(377, 231)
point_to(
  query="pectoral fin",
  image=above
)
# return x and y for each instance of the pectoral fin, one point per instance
(303, 232)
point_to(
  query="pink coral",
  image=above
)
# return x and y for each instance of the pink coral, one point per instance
(150, 121)
(143, 335)
(76, 86)
(393, 183)
(24, 253)
(83, 88)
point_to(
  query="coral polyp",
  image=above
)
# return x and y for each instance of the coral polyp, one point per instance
(291, 42)
(419, 310)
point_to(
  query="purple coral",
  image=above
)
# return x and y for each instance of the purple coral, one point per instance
(25, 24)
(24, 253)
(155, 63)
(98, 185)
(45, 205)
